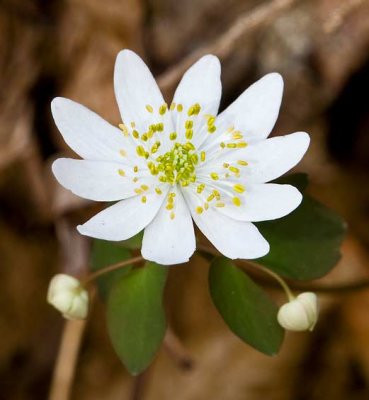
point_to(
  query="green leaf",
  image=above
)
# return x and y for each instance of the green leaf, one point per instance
(105, 253)
(136, 319)
(245, 307)
(306, 243)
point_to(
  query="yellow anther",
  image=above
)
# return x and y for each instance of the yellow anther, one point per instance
(199, 210)
(225, 165)
(241, 144)
(210, 197)
(140, 151)
(200, 188)
(133, 124)
(135, 179)
(237, 135)
(242, 162)
(219, 204)
(149, 108)
(189, 134)
(147, 155)
(172, 106)
(211, 120)
(121, 172)
(236, 201)
(170, 200)
(206, 206)
(135, 169)
(194, 109)
(169, 206)
(163, 109)
(138, 191)
(143, 199)
(150, 133)
(214, 176)
(163, 178)
(158, 191)
(231, 145)
(124, 129)
(122, 152)
(173, 136)
(222, 145)
(135, 134)
(212, 129)
(179, 107)
(144, 137)
(144, 187)
(189, 146)
(239, 188)
(172, 215)
(202, 156)
(172, 194)
(230, 129)
(160, 127)
(188, 124)
(234, 169)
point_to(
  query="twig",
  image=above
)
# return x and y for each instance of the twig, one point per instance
(319, 288)
(176, 350)
(112, 267)
(223, 45)
(65, 367)
(338, 15)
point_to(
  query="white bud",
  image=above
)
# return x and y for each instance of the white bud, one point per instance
(68, 296)
(300, 314)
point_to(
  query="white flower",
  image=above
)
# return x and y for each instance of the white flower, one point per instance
(300, 314)
(167, 165)
(68, 296)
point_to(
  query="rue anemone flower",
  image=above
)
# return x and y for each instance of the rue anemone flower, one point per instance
(167, 165)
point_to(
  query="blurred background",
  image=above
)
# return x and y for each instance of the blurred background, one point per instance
(68, 48)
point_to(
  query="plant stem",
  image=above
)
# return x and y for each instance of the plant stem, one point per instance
(110, 268)
(65, 366)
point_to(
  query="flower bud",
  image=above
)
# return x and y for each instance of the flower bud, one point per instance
(68, 296)
(300, 314)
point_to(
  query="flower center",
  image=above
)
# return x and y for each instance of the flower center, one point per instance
(177, 165)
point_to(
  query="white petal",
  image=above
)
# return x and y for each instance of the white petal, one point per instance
(136, 88)
(263, 202)
(98, 180)
(200, 84)
(273, 157)
(124, 219)
(234, 239)
(170, 241)
(255, 111)
(267, 159)
(86, 133)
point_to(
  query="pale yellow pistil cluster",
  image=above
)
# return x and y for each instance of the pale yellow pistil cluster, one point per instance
(177, 165)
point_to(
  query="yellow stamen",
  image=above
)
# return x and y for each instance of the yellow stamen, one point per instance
(239, 188)
(149, 108)
(163, 109)
(242, 162)
(236, 201)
